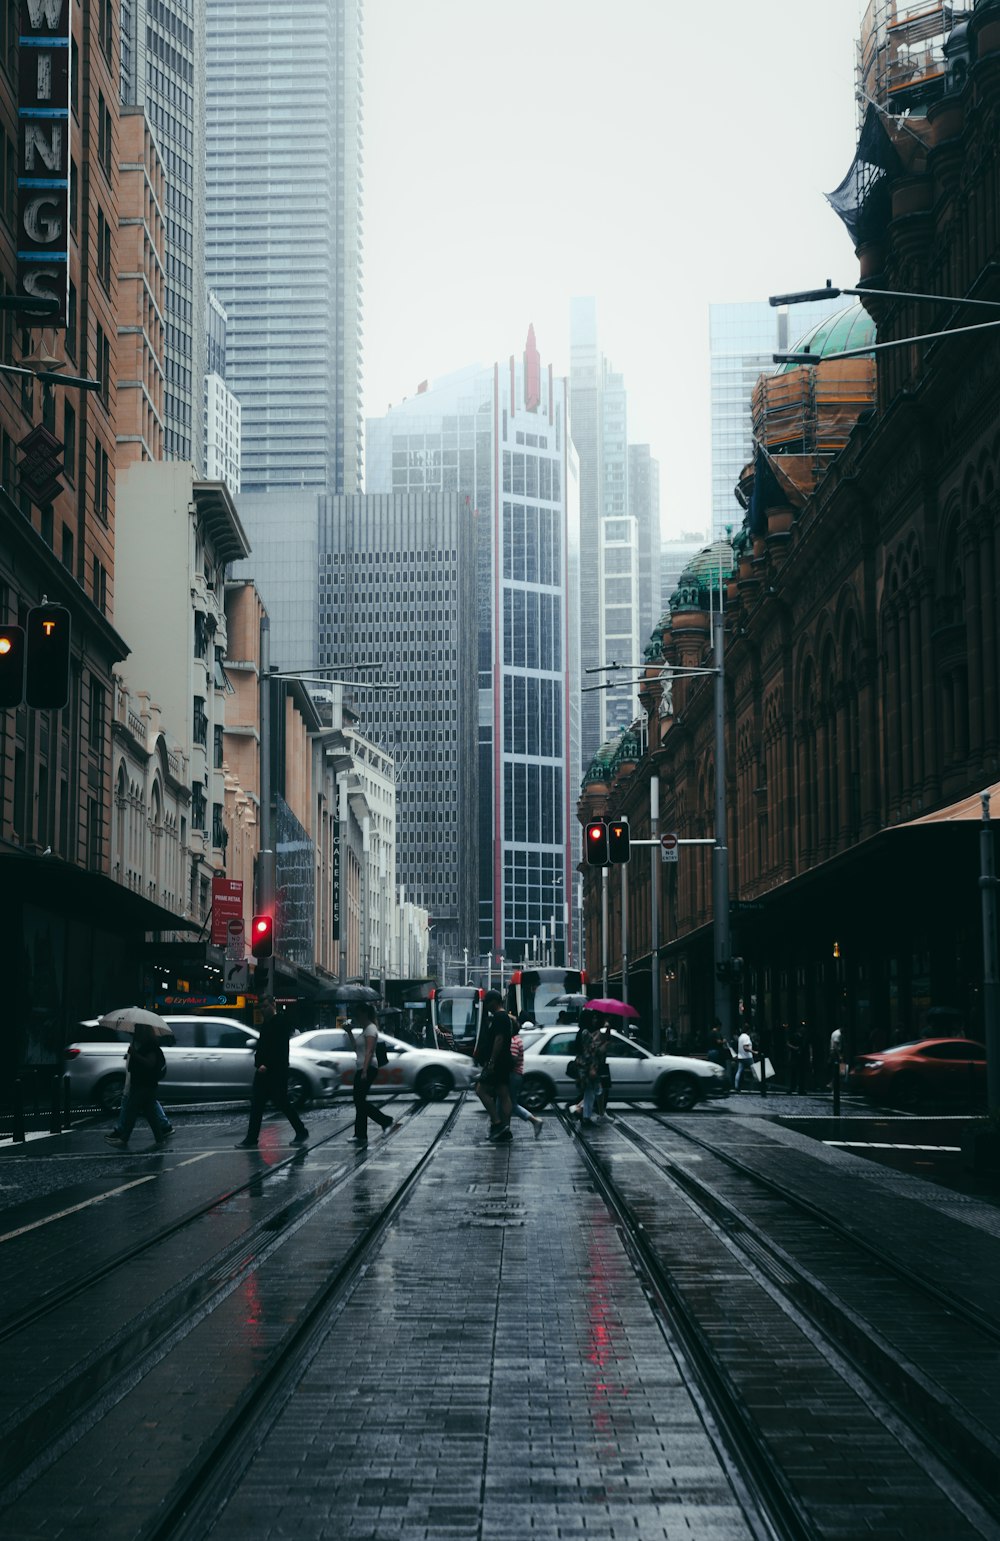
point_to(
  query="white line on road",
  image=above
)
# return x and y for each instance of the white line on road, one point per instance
(887, 1145)
(87, 1203)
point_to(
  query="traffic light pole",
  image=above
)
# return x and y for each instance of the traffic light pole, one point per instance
(720, 854)
(624, 870)
(654, 907)
(604, 931)
(991, 981)
(264, 973)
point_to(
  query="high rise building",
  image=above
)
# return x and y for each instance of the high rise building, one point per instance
(223, 414)
(162, 70)
(742, 341)
(644, 496)
(283, 245)
(397, 605)
(609, 533)
(499, 439)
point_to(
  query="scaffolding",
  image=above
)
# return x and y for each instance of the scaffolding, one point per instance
(809, 411)
(901, 57)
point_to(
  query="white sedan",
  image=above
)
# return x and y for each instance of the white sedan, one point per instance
(673, 1081)
(431, 1073)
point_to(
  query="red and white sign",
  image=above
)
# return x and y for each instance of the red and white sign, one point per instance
(669, 845)
(227, 905)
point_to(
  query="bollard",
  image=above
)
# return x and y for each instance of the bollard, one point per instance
(18, 1105)
(67, 1103)
(55, 1125)
(836, 1088)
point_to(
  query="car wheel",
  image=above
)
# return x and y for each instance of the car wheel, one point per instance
(110, 1093)
(434, 1084)
(535, 1093)
(677, 1093)
(298, 1090)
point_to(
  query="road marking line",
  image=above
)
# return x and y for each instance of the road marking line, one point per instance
(192, 1159)
(87, 1203)
(886, 1145)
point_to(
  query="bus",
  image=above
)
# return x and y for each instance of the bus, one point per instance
(542, 993)
(456, 1017)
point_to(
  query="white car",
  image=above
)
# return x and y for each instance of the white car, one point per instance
(431, 1073)
(673, 1081)
(210, 1060)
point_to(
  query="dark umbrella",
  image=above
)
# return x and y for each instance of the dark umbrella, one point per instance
(334, 995)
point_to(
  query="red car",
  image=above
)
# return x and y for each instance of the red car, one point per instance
(928, 1071)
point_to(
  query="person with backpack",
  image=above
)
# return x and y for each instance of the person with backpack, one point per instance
(367, 1068)
(270, 1081)
(144, 1067)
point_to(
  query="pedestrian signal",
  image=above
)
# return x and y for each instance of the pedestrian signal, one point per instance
(597, 843)
(11, 666)
(262, 936)
(47, 653)
(618, 840)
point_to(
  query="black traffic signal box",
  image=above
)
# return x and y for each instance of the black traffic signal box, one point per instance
(262, 936)
(11, 666)
(618, 840)
(597, 843)
(47, 655)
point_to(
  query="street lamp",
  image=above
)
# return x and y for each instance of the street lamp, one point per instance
(831, 292)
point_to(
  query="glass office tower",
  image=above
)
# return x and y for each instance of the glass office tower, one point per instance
(498, 437)
(283, 244)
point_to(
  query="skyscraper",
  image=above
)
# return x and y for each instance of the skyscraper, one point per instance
(742, 341)
(283, 244)
(163, 71)
(611, 603)
(498, 437)
(644, 495)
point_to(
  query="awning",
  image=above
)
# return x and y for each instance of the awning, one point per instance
(966, 809)
(54, 884)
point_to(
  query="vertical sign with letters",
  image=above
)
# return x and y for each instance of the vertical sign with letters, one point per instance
(43, 120)
(336, 881)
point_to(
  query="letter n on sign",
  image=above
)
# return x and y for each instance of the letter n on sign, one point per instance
(43, 120)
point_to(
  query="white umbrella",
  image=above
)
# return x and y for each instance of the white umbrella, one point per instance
(127, 1019)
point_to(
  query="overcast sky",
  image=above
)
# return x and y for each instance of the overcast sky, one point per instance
(659, 157)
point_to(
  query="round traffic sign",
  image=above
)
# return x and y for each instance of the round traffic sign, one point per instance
(669, 842)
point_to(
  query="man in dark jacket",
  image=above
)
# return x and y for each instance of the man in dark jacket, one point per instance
(270, 1080)
(493, 1053)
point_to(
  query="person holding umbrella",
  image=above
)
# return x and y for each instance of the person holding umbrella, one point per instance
(144, 1066)
(270, 1080)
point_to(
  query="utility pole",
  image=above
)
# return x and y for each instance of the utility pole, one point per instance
(720, 854)
(264, 972)
(991, 987)
(654, 907)
(604, 931)
(624, 869)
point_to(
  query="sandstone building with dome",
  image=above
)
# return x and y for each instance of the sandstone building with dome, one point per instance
(862, 633)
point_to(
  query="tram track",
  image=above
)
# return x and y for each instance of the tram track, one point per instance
(68, 1406)
(933, 1425)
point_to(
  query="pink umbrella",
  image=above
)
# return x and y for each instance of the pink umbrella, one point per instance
(611, 1008)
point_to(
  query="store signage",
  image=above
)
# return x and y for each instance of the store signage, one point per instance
(227, 905)
(336, 881)
(43, 154)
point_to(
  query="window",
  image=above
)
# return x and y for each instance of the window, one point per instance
(98, 707)
(103, 133)
(199, 731)
(100, 481)
(100, 586)
(69, 441)
(103, 249)
(217, 746)
(102, 364)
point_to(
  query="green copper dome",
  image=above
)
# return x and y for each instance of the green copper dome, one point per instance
(701, 576)
(848, 329)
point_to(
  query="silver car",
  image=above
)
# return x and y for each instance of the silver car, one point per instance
(210, 1060)
(431, 1073)
(672, 1081)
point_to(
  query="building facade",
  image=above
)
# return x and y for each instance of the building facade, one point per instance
(500, 438)
(284, 233)
(142, 295)
(862, 627)
(644, 500)
(162, 71)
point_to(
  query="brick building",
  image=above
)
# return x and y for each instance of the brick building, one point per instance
(862, 629)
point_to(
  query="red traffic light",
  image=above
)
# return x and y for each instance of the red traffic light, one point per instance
(597, 843)
(262, 936)
(11, 666)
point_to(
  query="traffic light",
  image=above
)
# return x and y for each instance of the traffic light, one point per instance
(597, 843)
(11, 666)
(262, 936)
(618, 840)
(47, 640)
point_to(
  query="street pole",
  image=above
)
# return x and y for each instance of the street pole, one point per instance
(489, 971)
(654, 907)
(991, 993)
(624, 869)
(720, 855)
(264, 972)
(604, 931)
